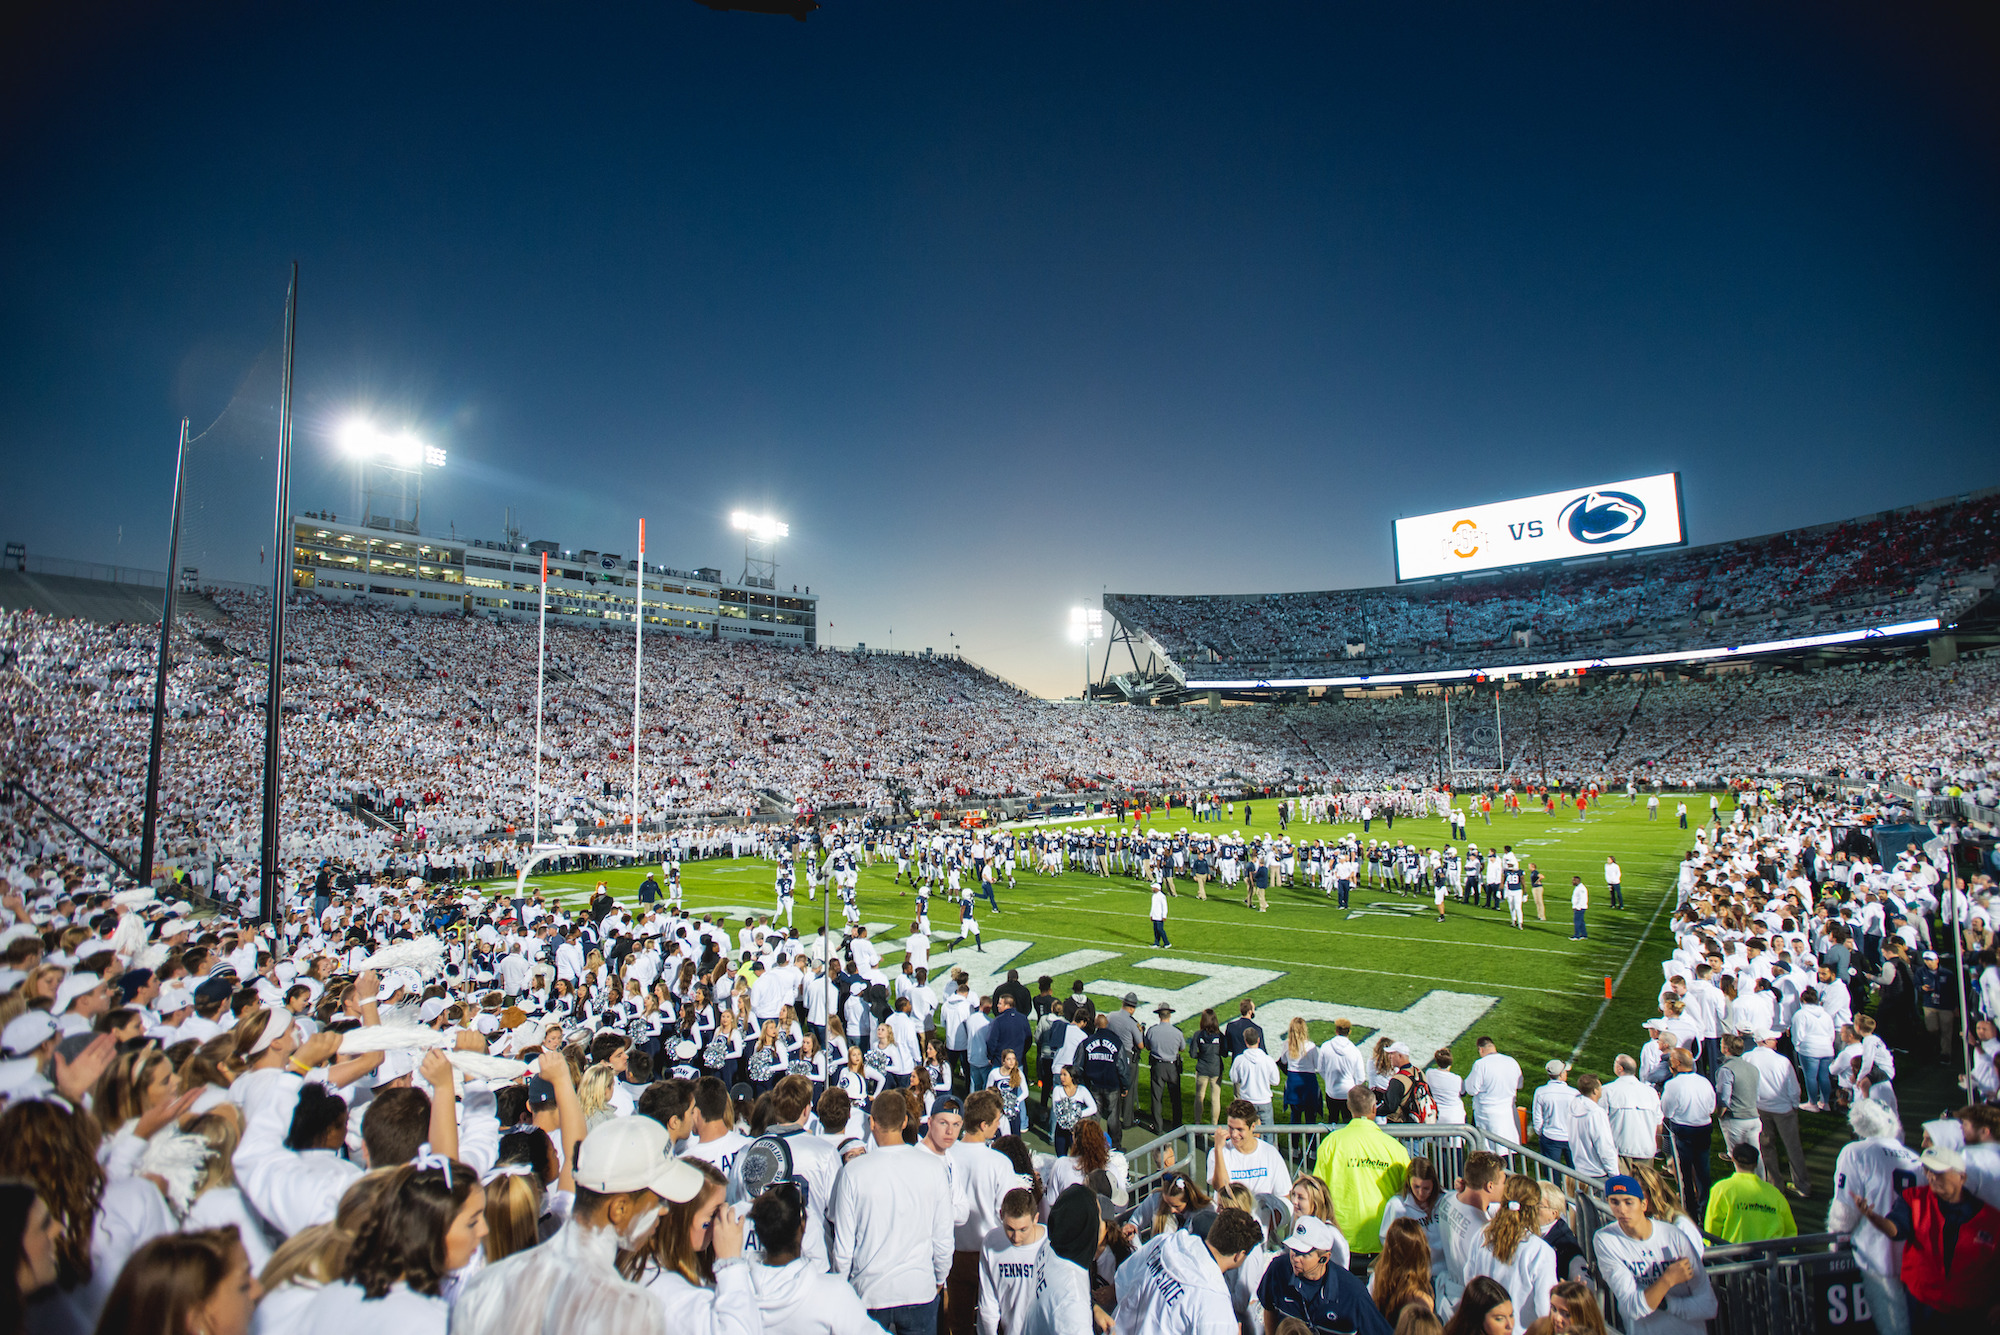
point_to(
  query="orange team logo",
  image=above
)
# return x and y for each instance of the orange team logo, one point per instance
(1464, 540)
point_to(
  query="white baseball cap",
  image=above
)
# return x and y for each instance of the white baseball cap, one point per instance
(1941, 1160)
(633, 1154)
(26, 1032)
(74, 986)
(1311, 1234)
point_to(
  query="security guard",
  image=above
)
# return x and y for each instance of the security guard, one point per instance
(1164, 1045)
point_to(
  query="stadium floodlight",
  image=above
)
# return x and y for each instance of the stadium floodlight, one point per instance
(392, 466)
(760, 547)
(401, 449)
(1086, 624)
(761, 527)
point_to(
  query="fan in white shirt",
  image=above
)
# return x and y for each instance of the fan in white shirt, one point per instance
(1447, 1089)
(1593, 1146)
(1008, 1264)
(1509, 1251)
(1491, 1084)
(1633, 1107)
(1254, 1073)
(1241, 1157)
(1654, 1272)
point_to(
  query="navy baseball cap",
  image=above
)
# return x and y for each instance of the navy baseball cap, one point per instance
(1621, 1185)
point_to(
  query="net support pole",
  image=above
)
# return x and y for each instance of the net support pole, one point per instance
(150, 826)
(274, 680)
(1450, 756)
(541, 656)
(1954, 921)
(1499, 741)
(638, 656)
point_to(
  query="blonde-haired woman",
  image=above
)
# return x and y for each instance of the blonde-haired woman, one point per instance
(1663, 1202)
(135, 1099)
(1510, 1251)
(594, 1093)
(1310, 1199)
(1553, 1228)
(217, 1202)
(514, 1200)
(1381, 1066)
(1299, 1057)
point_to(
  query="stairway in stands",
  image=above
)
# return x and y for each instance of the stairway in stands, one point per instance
(1626, 726)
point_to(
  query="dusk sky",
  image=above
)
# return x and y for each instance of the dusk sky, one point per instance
(1000, 305)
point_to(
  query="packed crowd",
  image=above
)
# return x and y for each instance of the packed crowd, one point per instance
(1910, 565)
(435, 1106)
(438, 711)
(397, 724)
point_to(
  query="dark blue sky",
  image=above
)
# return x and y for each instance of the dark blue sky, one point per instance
(1000, 304)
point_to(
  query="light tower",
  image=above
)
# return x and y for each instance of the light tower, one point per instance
(760, 547)
(1086, 624)
(392, 474)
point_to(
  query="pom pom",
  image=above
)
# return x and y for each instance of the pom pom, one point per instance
(425, 956)
(180, 1161)
(392, 1038)
(481, 1066)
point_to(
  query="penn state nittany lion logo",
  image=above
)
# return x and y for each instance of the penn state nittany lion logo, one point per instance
(1603, 516)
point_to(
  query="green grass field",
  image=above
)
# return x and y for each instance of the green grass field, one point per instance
(1384, 963)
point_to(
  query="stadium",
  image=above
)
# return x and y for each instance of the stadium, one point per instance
(467, 737)
(1521, 856)
(1872, 688)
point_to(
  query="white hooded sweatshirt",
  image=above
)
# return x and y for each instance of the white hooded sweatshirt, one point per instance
(1173, 1286)
(801, 1298)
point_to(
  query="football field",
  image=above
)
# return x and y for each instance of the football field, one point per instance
(1384, 963)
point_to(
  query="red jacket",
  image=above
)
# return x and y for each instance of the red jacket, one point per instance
(1964, 1281)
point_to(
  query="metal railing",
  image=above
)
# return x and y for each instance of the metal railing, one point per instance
(97, 570)
(1446, 1146)
(1788, 1286)
(109, 573)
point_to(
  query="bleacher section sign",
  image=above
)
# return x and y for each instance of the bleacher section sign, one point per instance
(1558, 526)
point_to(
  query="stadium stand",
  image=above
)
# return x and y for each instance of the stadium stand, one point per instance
(1932, 560)
(93, 599)
(438, 712)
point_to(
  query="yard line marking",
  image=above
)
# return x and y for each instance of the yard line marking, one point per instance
(1416, 907)
(1619, 981)
(1338, 968)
